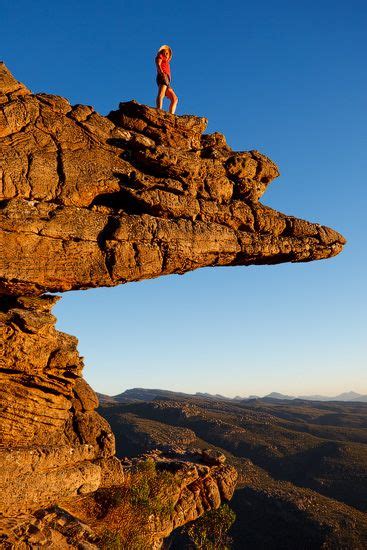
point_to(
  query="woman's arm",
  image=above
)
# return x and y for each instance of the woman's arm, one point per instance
(158, 62)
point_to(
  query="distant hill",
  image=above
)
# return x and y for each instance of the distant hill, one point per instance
(215, 396)
(361, 399)
(146, 394)
(276, 395)
(351, 396)
(135, 395)
(346, 396)
(105, 398)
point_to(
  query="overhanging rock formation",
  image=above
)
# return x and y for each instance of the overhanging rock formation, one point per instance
(89, 201)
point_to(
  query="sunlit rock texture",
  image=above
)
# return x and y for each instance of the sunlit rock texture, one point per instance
(89, 201)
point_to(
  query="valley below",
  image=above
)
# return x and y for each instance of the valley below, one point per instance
(302, 465)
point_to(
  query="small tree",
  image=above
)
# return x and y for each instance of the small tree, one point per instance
(210, 532)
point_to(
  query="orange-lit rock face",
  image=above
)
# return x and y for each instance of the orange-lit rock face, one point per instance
(53, 444)
(88, 201)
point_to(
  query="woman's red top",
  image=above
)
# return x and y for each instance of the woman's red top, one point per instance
(164, 64)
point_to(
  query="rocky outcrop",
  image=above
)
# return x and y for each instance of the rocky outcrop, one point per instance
(186, 485)
(198, 485)
(89, 201)
(53, 443)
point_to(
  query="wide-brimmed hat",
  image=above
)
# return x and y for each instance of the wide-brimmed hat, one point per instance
(165, 47)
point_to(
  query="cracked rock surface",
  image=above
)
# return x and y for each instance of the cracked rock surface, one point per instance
(89, 201)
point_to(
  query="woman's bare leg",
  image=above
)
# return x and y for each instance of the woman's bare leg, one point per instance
(162, 91)
(174, 100)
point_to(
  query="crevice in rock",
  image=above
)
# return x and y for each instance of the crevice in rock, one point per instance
(52, 355)
(136, 254)
(60, 169)
(288, 230)
(71, 374)
(165, 255)
(119, 201)
(29, 383)
(7, 303)
(105, 235)
(10, 371)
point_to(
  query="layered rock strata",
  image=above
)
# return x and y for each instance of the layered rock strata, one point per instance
(89, 201)
(53, 443)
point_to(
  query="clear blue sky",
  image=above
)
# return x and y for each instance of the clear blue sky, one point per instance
(287, 78)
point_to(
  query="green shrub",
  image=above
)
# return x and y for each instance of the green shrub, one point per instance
(140, 492)
(210, 532)
(149, 489)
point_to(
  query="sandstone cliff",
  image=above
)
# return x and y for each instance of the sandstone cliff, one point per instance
(89, 201)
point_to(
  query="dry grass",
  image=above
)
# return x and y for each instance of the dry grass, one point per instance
(122, 516)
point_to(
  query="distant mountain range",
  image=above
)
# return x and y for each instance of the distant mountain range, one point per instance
(346, 396)
(144, 394)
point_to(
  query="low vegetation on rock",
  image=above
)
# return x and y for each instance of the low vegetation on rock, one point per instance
(124, 516)
(159, 493)
(210, 532)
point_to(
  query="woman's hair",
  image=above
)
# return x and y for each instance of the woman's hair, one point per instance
(167, 49)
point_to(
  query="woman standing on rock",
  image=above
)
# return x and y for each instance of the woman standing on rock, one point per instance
(163, 57)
